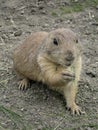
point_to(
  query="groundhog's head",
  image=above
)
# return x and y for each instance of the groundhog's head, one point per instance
(60, 47)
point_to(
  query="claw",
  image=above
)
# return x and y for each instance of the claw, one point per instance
(23, 84)
(68, 108)
(75, 110)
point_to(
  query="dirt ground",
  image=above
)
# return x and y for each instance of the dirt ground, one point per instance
(39, 108)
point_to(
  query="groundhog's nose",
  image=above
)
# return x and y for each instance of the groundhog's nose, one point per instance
(69, 58)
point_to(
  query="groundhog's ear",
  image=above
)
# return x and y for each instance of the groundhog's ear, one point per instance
(55, 42)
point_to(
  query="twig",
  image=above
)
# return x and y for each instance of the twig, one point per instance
(2, 40)
(12, 21)
(60, 122)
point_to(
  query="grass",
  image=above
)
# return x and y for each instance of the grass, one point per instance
(90, 3)
(54, 14)
(75, 7)
(21, 124)
(16, 119)
(70, 9)
(1, 128)
(77, 118)
(95, 126)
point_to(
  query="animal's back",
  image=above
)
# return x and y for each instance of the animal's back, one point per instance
(25, 55)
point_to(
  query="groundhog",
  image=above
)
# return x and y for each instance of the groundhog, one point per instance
(53, 58)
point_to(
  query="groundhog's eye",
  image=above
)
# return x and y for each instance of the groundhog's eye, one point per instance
(55, 42)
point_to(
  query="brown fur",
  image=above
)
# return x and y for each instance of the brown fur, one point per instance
(40, 58)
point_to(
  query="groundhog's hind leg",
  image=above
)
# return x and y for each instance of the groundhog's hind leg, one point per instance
(23, 81)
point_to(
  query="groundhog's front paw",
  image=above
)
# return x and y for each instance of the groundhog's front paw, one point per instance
(23, 84)
(75, 109)
(68, 76)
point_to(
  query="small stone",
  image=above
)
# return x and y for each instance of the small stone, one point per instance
(4, 96)
(41, 7)
(43, 12)
(91, 74)
(40, 127)
(94, 98)
(33, 10)
(4, 36)
(22, 109)
(46, 25)
(58, 20)
(76, 1)
(88, 128)
(22, 12)
(18, 33)
(87, 33)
